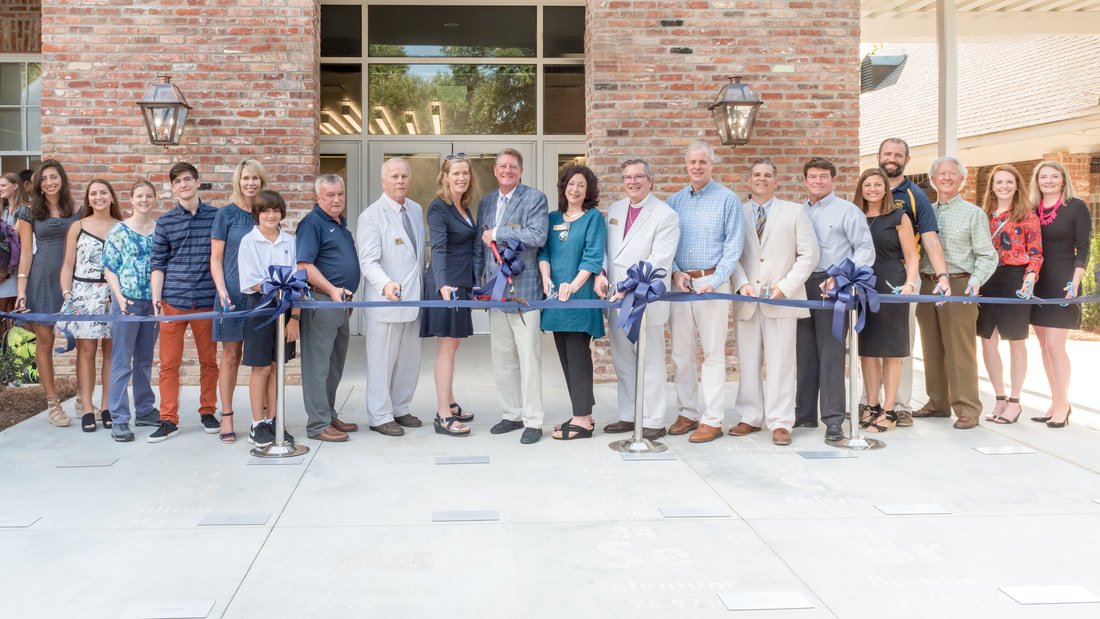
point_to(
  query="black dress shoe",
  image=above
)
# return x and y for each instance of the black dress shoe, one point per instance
(805, 424)
(530, 435)
(834, 432)
(505, 426)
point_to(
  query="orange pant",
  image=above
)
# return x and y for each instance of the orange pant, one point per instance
(171, 355)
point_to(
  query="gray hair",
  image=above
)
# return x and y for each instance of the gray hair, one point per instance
(942, 160)
(700, 145)
(327, 179)
(641, 162)
(764, 161)
(394, 160)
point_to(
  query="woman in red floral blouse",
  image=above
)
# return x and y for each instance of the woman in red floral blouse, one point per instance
(1018, 240)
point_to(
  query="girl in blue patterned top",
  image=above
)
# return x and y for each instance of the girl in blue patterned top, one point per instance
(231, 224)
(126, 257)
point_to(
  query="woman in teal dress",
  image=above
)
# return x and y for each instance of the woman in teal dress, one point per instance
(572, 254)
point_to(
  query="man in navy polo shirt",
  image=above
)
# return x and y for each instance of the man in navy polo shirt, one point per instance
(326, 250)
(893, 156)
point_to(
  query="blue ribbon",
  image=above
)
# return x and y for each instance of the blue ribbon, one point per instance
(293, 286)
(854, 290)
(641, 287)
(511, 265)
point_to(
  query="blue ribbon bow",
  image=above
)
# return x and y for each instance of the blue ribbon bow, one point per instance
(282, 279)
(641, 287)
(511, 265)
(855, 289)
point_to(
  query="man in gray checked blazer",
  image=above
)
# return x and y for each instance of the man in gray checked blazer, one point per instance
(514, 211)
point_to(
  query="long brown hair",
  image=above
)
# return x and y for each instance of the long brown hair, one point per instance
(1021, 206)
(40, 209)
(888, 205)
(116, 212)
(443, 192)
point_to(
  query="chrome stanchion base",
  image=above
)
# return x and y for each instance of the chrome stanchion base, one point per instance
(289, 450)
(642, 446)
(857, 442)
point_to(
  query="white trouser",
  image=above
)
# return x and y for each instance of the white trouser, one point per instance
(624, 356)
(517, 365)
(393, 368)
(710, 319)
(771, 341)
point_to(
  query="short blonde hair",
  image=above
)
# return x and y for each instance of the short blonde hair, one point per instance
(237, 197)
(1036, 194)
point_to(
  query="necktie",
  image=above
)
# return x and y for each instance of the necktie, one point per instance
(408, 224)
(761, 219)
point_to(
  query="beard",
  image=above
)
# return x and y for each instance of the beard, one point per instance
(894, 170)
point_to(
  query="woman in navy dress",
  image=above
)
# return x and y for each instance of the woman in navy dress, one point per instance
(1067, 227)
(450, 275)
(572, 254)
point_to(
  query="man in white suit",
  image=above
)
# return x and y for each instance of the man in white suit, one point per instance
(779, 255)
(390, 238)
(640, 227)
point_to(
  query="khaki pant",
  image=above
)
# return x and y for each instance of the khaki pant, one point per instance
(949, 339)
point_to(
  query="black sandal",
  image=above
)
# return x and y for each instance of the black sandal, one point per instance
(995, 416)
(570, 431)
(1004, 419)
(87, 422)
(867, 414)
(446, 426)
(229, 437)
(105, 419)
(873, 425)
(456, 412)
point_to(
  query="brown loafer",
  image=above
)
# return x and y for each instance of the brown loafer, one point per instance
(781, 436)
(743, 429)
(705, 434)
(652, 434)
(331, 435)
(966, 423)
(408, 421)
(682, 425)
(344, 426)
(619, 427)
(390, 428)
(926, 411)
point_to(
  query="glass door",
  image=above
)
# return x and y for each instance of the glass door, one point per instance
(343, 158)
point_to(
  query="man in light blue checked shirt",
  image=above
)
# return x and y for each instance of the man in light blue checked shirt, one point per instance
(711, 237)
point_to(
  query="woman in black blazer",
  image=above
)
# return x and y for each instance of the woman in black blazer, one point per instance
(1066, 228)
(450, 275)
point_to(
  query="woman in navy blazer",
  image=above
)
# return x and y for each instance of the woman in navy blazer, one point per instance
(450, 275)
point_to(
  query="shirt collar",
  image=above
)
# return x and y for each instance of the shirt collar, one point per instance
(766, 205)
(203, 207)
(393, 203)
(640, 204)
(324, 216)
(903, 186)
(509, 194)
(706, 188)
(822, 202)
(259, 236)
(957, 199)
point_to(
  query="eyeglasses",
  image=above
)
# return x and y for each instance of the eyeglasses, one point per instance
(456, 156)
(637, 178)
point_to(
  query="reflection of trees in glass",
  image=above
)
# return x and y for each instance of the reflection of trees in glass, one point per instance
(473, 99)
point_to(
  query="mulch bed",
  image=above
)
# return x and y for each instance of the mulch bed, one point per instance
(19, 403)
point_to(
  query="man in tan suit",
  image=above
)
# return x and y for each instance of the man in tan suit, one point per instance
(640, 227)
(779, 255)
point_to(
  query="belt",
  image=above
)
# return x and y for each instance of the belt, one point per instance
(699, 273)
(929, 277)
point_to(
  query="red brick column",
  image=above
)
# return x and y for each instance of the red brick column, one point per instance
(21, 27)
(249, 69)
(654, 66)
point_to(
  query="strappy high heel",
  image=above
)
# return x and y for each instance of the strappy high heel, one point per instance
(1007, 419)
(868, 414)
(456, 412)
(997, 409)
(884, 422)
(55, 414)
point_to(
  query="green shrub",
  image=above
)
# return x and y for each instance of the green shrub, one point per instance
(1090, 312)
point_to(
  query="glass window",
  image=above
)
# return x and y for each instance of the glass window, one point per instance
(11, 83)
(563, 100)
(341, 99)
(563, 32)
(341, 30)
(452, 31)
(20, 124)
(454, 99)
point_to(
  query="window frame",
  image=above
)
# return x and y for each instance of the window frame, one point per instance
(23, 109)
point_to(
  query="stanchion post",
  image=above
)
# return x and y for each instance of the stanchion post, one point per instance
(855, 440)
(638, 443)
(280, 448)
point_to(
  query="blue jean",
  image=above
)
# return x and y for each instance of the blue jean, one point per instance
(132, 356)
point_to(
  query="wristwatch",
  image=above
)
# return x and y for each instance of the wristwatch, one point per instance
(295, 316)
(939, 275)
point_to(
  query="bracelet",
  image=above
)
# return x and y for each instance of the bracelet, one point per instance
(939, 275)
(66, 293)
(22, 276)
(295, 316)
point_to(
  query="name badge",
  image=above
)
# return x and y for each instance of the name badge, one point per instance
(398, 241)
(613, 221)
(513, 225)
(560, 227)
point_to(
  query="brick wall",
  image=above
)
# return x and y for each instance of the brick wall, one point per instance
(20, 27)
(654, 66)
(249, 68)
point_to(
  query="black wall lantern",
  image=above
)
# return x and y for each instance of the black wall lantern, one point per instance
(735, 111)
(164, 110)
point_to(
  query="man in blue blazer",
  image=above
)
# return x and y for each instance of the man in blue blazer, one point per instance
(514, 211)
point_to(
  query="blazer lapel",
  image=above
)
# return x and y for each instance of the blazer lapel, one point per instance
(513, 202)
(643, 215)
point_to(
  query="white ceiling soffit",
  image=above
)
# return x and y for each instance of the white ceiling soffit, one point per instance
(897, 20)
